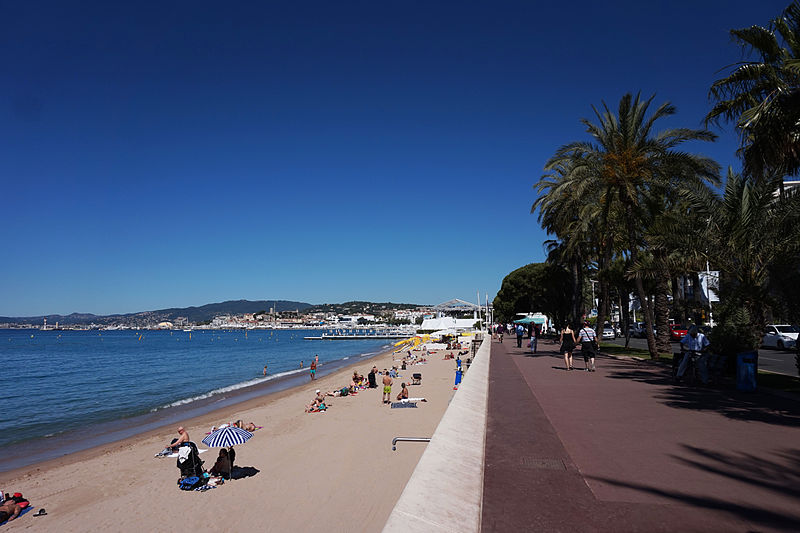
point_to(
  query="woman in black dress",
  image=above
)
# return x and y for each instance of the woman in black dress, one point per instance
(568, 342)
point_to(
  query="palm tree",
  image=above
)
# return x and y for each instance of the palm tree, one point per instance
(762, 96)
(621, 167)
(751, 230)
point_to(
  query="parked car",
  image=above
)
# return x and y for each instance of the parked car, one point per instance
(608, 333)
(780, 336)
(677, 331)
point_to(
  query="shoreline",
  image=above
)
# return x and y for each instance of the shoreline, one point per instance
(334, 470)
(156, 422)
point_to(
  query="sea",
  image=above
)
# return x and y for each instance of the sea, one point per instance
(67, 391)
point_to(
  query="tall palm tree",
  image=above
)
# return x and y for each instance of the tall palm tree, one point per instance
(621, 167)
(762, 96)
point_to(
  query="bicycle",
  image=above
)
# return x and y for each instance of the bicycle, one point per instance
(691, 375)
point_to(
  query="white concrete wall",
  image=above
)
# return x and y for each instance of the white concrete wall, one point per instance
(445, 491)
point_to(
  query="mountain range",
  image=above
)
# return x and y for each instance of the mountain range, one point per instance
(209, 311)
(194, 314)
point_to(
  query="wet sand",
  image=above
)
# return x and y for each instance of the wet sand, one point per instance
(332, 471)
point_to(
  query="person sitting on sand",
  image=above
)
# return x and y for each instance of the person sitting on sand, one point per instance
(403, 392)
(315, 404)
(9, 510)
(223, 465)
(176, 443)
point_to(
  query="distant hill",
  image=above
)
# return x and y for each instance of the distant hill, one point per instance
(194, 314)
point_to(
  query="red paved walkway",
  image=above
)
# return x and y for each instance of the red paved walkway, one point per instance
(622, 449)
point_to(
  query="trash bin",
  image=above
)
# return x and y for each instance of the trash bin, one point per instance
(746, 371)
(458, 376)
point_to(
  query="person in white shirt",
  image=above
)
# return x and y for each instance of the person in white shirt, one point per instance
(588, 339)
(694, 341)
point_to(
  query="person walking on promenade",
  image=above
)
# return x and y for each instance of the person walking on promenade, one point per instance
(534, 340)
(500, 330)
(567, 341)
(588, 340)
(520, 334)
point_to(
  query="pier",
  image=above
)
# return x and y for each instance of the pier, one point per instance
(358, 334)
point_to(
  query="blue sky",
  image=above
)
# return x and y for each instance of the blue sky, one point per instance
(156, 156)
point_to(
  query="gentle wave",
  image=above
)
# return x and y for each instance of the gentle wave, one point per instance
(231, 388)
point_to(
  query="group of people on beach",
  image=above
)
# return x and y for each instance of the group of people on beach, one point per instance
(359, 383)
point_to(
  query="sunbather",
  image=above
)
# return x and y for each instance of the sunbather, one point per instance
(403, 392)
(9, 510)
(318, 401)
(176, 443)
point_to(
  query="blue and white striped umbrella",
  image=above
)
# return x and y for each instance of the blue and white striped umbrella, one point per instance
(226, 437)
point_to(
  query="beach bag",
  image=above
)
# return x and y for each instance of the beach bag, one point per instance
(190, 483)
(345, 391)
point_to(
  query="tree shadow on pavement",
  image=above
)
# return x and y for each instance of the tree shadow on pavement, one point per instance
(780, 475)
(751, 513)
(734, 404)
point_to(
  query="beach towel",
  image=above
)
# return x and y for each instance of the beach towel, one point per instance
(399, 405)
(170, 453)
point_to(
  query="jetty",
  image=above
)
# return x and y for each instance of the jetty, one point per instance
(358, 334)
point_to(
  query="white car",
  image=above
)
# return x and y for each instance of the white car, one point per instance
(608, 333)
(780, 336)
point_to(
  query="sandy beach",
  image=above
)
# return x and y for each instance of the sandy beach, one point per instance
(332, 471)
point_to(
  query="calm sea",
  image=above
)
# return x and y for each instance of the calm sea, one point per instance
(62, 391)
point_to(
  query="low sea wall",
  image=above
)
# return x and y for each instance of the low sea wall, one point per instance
(445, 491)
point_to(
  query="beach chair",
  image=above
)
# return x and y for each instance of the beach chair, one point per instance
(416, 379)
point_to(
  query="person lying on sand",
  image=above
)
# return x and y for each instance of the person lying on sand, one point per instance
(9, 510)
(249, 426)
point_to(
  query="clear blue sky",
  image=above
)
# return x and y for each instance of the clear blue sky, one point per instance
(156, 156)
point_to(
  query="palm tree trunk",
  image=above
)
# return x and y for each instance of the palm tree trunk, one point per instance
(661, 309)
(625, 313)
(647, 309)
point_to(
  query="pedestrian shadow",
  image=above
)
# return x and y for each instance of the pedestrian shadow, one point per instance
(780, 477)
(737, 405)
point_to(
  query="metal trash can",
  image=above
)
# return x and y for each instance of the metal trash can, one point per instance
(746, 371)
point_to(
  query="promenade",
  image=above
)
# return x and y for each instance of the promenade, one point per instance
(622, 449)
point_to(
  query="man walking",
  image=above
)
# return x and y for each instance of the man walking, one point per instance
(520, 334)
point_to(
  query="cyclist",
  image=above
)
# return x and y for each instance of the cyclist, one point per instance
(694, 341)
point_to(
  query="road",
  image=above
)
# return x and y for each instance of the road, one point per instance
(779, 361)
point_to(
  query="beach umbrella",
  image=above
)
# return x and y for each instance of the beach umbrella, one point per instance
(226, 437)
